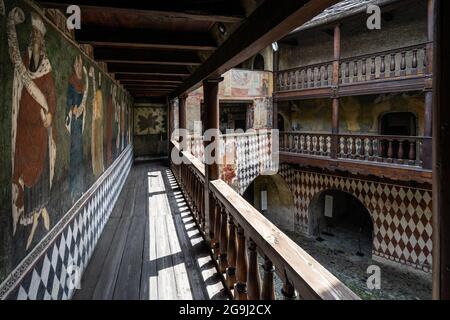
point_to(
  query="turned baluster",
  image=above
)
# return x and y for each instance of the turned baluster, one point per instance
(325, 75)
(353, 147)
(372, 69)
(223, 241)
(288, 290)
(253, 281)
(311, 144)
(240, 288)
(347, 72)
(355, 71)
(401, 151)
(345, 147)
(414, 62)
(231, 271)
(319, 77)
(311, 77)
(202, 201)
(305, 78)
(390, 151)
(412, 151)
(318, 144)
(217, 224)
(362, 148)
(364, 69)
(268, 290)
(382, 67)
(296, 79)
(392, 66)
(403, 65)
(425, 60)
(370, 150)
(381, 149)
(194, 200)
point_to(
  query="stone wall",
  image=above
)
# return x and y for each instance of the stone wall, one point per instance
(359, 114)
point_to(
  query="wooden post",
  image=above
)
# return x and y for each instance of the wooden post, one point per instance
(253, 279)
(428, 120)
(441, 154)
(335, 93)
(182, 111)
(276, 56)
(240, 288)
(231, 271)
(211, 119)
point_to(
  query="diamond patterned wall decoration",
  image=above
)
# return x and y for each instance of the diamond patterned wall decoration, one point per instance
(47, 272)
(401, 214)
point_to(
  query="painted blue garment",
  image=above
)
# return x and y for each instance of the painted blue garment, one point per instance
(76, 166)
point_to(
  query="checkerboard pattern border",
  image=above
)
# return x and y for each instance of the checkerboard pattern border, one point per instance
(401, 214)
(45, 274)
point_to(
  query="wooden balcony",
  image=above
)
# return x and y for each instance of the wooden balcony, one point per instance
(402, 69)
(394, 157)
(237, 234)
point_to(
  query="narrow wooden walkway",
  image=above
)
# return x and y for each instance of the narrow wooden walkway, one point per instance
(151, 247)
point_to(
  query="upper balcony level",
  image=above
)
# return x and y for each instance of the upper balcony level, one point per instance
(396, 70)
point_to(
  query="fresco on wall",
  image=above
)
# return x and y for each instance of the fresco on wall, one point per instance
(33, 150)
(97, 124)
(149, 121)
(57, 134)
(75, 120)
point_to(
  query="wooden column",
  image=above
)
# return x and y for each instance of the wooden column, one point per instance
(276, 56)
(182, 111)
(211, 119)
(428, 119)
(441, 153)
(335, 92)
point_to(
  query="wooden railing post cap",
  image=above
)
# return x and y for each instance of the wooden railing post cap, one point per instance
(213, 80)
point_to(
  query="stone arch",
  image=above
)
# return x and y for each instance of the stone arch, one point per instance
(350, 224)
(280, 200)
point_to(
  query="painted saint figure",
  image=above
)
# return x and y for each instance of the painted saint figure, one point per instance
(33, 150)
(75, 118)
(97, 125)
(110, 111)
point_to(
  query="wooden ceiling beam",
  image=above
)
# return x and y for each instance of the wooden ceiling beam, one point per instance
(269, 22)
(162, 9)
(144, 38)
(141, 56)
(149, 78)
(129, 68)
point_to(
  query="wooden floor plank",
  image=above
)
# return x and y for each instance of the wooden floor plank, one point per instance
(150, 248)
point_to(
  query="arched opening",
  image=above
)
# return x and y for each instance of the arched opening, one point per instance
(398, 124)
(342, 220)
(271, 196)
(258, 62)
(280, 122)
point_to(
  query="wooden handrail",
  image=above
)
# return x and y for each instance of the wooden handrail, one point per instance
(292, 263)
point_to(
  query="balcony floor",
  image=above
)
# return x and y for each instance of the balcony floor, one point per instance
(150, 247)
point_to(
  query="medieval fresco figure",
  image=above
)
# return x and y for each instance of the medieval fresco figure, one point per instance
(97, 125)
(110, 112)
(33, 145)
(75, 119)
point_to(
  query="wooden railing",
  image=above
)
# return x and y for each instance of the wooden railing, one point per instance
(402, 62)
(237, 233)
(306, 143)
(311, 76)
(391, 149)
(402, 150)
(389, 64)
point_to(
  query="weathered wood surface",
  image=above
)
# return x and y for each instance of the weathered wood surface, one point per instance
(151, 247)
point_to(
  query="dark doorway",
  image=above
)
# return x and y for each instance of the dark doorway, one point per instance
(398, 124)
(258, 63)
(342, 220)
(280, 122)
